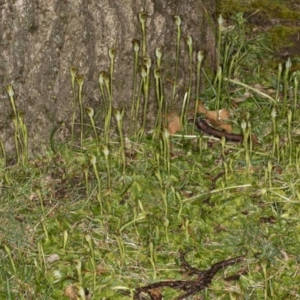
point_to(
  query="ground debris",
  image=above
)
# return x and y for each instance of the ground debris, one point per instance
(189, 287)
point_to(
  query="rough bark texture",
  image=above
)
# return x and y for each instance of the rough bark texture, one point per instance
(41, 40)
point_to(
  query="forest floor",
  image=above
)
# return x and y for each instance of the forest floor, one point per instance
(138, 217)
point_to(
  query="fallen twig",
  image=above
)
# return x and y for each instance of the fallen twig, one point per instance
(189, 287)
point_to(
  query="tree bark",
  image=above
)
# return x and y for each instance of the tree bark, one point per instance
(41, 40)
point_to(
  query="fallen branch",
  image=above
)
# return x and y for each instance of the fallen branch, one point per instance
(190, 287)
(203, 126)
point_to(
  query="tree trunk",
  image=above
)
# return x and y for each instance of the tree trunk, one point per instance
(41, 40)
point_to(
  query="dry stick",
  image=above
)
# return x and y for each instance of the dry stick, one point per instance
(190, 287)
(203, 126)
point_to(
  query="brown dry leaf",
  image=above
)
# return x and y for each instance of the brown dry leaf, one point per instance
(173, 122)
(257, 268)
(100, 269)
(217, 118)
(155, 294)
(242, 98)
(70, 292)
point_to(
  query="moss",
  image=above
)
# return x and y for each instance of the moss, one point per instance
(270, 9)
(276, 20)
(229, 7)
(274, 9)
(282, 36)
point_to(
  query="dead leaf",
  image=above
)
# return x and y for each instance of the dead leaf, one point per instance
(216, 118)
(70, 292)
(155, 294)
(173, 122)
(52, 258)
(100, 269)
(243, 98)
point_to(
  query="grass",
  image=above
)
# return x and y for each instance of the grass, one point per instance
(99, 216)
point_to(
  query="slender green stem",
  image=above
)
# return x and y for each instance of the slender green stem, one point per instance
(158, 55)
(3, 154)
(65, 241)
(246, 135)
(276, 149)
(138, 102)
(80, 81)
(189, 42)
(166, 225)
(279, 74)
(166, 147)
(290, 144)
(158, 171)
(183, 110)
(288, 65)
(219, 39)
(90, 112)
(89, 240)
(112, 56)
(16, 138)
(264, 268)
(159, 97)
(223, 143)
(142, 19)
(41, 253)
(219, 82)
(146, 78)
(107, 121)
(99, 186)
(15, 119)
(274, 121)
(270, 168)
(23, 138)
(7, 250)
(136, 48)
(86, 177)
(73, 71)
(119, 118)
(158, 92)
(296, 83)
(103, 75)
(152, 258)
(177, 21)
(78, 267)
(198, 77)
(11, 93)
(108, 169)
(38, 192)
(121, 250)
(178, 196)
